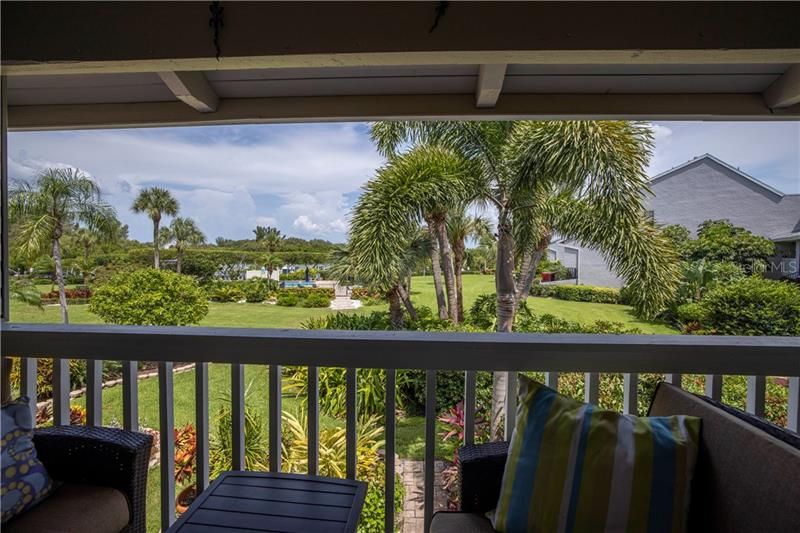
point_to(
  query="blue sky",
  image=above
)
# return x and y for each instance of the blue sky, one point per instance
(304, 178)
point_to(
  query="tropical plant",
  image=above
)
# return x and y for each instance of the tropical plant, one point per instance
(719, 240)
(150, 297)
(185, 453)
(156, 202)
(256, 449)
(61, 199)
(544, 179)
(184, 233)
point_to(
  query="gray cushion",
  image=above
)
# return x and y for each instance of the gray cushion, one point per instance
(745, 479)
(460, 523)
(75, 509)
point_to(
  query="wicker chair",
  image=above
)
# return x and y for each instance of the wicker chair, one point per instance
(100, 456)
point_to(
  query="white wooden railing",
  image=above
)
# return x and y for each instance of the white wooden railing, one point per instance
(674, 356)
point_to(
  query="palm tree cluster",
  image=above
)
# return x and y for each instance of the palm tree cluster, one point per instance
(579, 180)
(271, 240)
(156, 202)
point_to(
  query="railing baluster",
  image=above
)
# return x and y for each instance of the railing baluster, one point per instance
(511, 404)
(591, 387)
(237, 416)
(130, 396)
(756, 391)
(551, 380)
(430, 444)
(94, 392)
(713, 387)
(313, 420)
(794, 404)
(201, 423)
(675, 379)
(275, 412)
(630, 393)
(60, 392)
(166, 430)
(469, 407)
(389, 415)
(351, 399)
(28, 381)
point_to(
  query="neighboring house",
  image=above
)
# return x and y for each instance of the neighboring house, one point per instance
(705, 188)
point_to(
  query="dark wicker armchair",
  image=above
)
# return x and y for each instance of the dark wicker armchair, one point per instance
(481, 472)
(100, 456)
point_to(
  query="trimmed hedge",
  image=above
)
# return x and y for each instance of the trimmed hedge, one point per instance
(305, 297)
(578, 293)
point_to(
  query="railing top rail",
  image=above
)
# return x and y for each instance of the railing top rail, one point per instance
(411, 350)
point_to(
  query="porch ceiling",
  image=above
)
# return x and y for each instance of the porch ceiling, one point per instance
(147, 64)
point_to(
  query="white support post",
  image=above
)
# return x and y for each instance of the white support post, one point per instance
(193, 89)
(490, 83)
(630, 394)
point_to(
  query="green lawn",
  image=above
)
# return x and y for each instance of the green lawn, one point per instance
(410, 431)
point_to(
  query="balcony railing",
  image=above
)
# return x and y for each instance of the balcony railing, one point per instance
(674, 356)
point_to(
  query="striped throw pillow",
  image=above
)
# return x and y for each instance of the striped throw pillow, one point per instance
(574, 468)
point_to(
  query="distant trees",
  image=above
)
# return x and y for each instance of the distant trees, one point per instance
(58, 201)
(271, 240)
(156, 202)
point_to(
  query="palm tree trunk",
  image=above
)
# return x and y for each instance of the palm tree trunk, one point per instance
(506, 305)
(62, 295)
(395, 309)
(85, 264)
(156, 258)
(528, 270)
(458, 263)
(440, 229)
(178, 258)
(407, 302)
(436, 267)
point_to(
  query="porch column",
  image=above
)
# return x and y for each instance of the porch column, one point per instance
(3, 200)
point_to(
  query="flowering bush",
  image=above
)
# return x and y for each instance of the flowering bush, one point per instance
(185, 453)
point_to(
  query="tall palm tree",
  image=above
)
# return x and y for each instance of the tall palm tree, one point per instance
(59, 200)
(184, 233)
(85, 239)
(156, 202)
(460, 227)
(583, 180)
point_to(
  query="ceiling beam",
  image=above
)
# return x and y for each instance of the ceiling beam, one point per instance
(401, 107)
(193, 89)
(785, 91)
(490, 83)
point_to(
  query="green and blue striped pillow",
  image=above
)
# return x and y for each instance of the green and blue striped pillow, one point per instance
(573, 468)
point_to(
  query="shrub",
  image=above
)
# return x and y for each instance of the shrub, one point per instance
(550, 324)
(449, 390)
(316, 300)
(150, 297)
(227, 294)
(586, 293)
(752, 306)
(78, 293)
(483, 313)
(374, 321)
(185, 453)
(287, 299)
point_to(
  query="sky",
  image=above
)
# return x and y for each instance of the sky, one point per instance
(304, 178)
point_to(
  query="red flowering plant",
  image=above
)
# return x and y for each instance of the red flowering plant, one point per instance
(452, 435)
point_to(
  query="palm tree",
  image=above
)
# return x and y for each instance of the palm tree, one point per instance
(460, 227)
(410, 189)
(59, 200)
(184, 233)
(269, 237)
(156, 202)
(582, 180)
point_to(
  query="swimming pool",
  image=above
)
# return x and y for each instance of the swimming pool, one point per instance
(294, 284)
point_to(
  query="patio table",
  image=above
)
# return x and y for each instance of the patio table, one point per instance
(264, 501)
